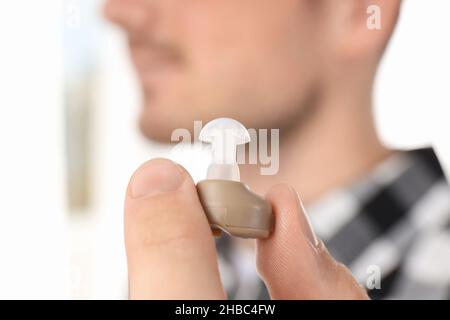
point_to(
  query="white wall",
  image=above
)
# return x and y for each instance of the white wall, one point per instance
(33, 256)
(413, 95)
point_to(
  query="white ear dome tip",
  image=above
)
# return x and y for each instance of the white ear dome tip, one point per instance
(218, 132)
(225, 124)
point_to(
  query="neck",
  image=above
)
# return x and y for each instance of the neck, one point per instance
(335, 145)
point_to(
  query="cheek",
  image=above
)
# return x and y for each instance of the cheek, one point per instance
(249, 59)
(251, 64)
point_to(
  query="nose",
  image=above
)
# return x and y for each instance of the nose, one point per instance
(132, 15)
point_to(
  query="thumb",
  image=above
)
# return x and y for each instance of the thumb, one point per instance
(170, 249)
(293, 263)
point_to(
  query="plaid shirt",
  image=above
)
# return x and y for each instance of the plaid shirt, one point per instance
(394, 223)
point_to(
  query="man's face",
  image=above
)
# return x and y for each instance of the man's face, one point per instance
(252, 60)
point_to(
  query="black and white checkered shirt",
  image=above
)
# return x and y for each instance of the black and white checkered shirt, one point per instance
(393, 225)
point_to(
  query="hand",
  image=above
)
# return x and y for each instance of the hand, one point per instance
(171, 252)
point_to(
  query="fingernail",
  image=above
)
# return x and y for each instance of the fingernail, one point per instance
(155, 177)
(306, 223)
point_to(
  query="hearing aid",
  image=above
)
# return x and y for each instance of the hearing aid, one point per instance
(229, 204)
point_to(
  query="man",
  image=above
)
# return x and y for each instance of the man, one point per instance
(306, 67)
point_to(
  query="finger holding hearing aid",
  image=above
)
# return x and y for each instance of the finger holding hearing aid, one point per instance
(293, 263)
(171, 252)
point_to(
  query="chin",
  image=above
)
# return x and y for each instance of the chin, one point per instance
(159, 127)
(159, 131)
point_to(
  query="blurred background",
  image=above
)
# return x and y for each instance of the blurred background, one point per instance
(69, 141)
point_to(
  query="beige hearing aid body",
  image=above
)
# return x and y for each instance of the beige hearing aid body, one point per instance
(233, 208)
(230, 205)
